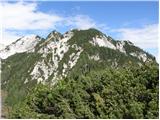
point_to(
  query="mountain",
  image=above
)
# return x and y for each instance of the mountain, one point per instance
(24, 44)
(32, 59)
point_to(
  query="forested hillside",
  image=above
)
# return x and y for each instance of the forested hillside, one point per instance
(128, 92)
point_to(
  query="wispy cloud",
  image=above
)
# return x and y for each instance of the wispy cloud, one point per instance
(84, 22)
(145, 37)
(81, 22)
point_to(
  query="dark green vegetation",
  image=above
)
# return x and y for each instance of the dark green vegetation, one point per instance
(14, 74)
(110, 93)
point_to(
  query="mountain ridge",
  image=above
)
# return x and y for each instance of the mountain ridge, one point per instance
(61, 55)
(56, 34)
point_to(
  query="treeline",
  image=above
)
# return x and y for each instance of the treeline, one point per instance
(108, 94)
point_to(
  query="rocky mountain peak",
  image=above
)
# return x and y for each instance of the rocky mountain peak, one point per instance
(23, 44)
(54, 35)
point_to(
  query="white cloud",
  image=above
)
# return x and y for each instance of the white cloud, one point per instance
(84, 22)
(146, 37)
(81, 22)
(25, 16)
(22, 16)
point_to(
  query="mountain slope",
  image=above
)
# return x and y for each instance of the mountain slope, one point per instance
(24, 44)
(77, 52)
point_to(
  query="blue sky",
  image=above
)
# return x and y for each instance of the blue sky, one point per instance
(113, 13)
(134, 21)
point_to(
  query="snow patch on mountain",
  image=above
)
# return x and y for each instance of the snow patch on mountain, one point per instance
(140, 56)
(120, 46)
(64, 70)
(23, 44)
(114, 63)
(133, 54)
(94, 57)
(26, 81)
(102, 41)
(73, 58)
(41, 70)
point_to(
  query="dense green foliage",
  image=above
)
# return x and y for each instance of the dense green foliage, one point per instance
(110, 93)
(14, 73)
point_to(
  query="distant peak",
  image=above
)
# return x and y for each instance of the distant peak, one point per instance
(54, 34)
(79, 29)
(128, 42)
(30, 37)
(90, 30)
